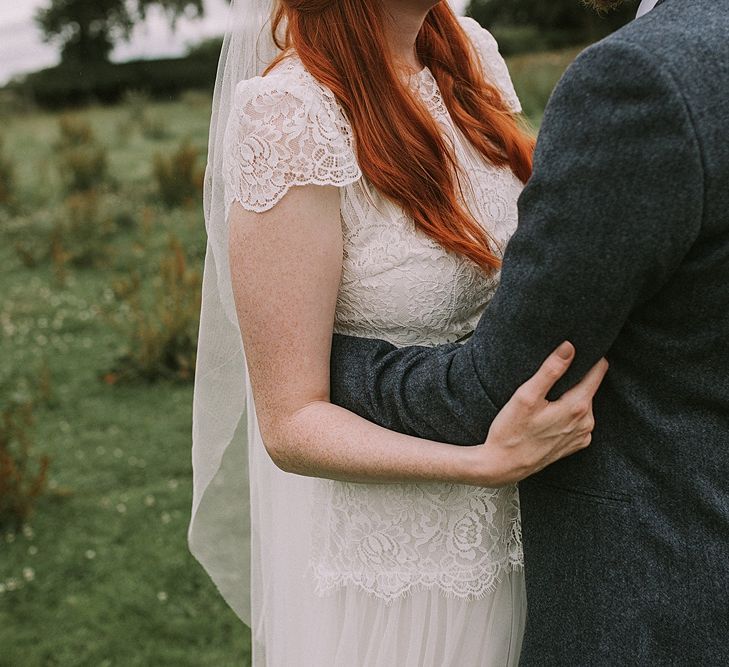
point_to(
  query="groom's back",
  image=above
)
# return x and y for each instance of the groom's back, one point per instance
(678, 341)
(642, 577)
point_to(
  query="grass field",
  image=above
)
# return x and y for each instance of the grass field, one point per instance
(100, 574)
(534, 77)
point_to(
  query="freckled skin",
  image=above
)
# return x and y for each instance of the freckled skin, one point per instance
(286, 267)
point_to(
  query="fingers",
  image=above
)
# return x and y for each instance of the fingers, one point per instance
(553, 368)
(588, 386)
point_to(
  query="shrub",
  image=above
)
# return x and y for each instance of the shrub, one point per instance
(152, 126)
(29, 254)
(7, 179)
(82, 161)
(516, 39)
(135, 102)
(206, 49)
(179, 181)
(196, 99)
(535, 76)
(73, 85)
(73, 233)
(119, 211)
(22, 481)
(555, 24)
(14, 102)
(163, 321)
(79, 234)
(155, 127)
(28, 234)
(124, 130)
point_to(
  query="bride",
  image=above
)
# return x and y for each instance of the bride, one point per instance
(365, 162)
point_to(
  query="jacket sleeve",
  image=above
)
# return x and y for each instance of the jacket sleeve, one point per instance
(613, 206)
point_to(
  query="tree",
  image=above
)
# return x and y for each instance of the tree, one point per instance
(88, 29)
(570, 18)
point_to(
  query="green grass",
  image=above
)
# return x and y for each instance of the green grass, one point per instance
(102, 574)
(535, 76)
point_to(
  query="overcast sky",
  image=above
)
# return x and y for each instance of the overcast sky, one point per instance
(21, 48)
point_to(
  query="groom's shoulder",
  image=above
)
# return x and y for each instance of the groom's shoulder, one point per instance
(680, 46)
(618, 61)
(676, 34)
(676, 28)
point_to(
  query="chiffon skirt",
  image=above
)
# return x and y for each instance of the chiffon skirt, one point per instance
(424, 629)
(294, 625)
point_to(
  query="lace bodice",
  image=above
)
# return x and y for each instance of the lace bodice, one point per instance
(399, 285)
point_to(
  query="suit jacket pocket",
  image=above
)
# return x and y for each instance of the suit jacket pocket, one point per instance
(582, 585)
(583, 493)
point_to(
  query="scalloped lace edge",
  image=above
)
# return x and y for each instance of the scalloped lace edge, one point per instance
(328, 583)
(279, 195)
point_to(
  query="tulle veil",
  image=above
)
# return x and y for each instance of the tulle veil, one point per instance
(219, 531)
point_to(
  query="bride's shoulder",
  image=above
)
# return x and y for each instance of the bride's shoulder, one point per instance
(290, 98)
(288, 83)
(480, 35)
(285, 129)
(492, 61)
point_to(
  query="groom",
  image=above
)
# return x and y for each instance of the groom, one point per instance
(623, 249)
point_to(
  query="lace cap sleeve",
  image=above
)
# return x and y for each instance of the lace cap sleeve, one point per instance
(285, 129)
(493, 62)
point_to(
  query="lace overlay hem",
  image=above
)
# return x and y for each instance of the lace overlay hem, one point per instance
(388, 540)
(390, 586)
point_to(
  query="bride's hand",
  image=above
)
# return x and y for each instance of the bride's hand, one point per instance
(531, 432)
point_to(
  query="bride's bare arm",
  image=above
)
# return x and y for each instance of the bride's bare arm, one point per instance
(286, 268)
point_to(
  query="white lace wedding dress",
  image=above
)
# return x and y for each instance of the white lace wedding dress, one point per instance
(391, 575)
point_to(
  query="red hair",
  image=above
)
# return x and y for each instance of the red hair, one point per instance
(400, 148)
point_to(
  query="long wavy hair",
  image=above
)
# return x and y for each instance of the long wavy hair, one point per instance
(400, 148)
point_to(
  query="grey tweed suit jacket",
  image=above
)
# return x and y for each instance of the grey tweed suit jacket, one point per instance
(622, 248)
